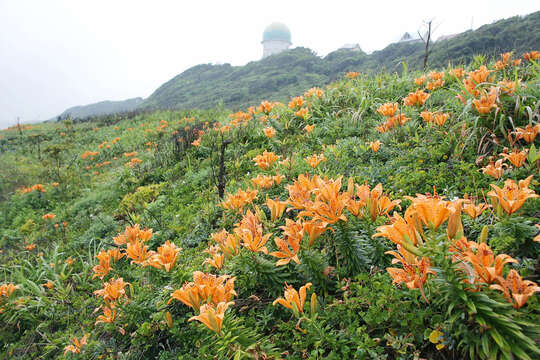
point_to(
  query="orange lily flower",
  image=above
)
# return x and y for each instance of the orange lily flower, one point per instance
(205, 288)
(263, 181)
(351, 74)
(213, 317)
(270, 132)
(113, 290)
(288, 250)
(388, 109)
(512, 196)
(494, 169)
(441, 118)
(458, 72)
(486, 101)
(48, 216)
(266, 160)
(296, 102)
(302, 113)
(432, 211)
(294, 300)
(417, 98)
(251, 233)
(375, 145)
(435, 75)
(217, 258)
(314, 91)
(276, 207)
(529, 133)
(487, 267)
(532, 55)
(455, 226)
(294, 235)
(474, 210)
(433, 85)
(314, 229)
(109, 315)
(414, 273)
(189, 294)
(76, 346)
(309, 128)
(516, 157)
(278, 178)
(49, 285)
(30, 247)
(228, 243)
(508, 86)
(420, 81)
(315, 160)
(239, 200)
(521, 290)
(166, 256)
(138, 253)
(427, 116)
(7, 289)
(214, 289)
(481, 75)
(104, 266)
(401, 232)
(133, 234)
(329, 202)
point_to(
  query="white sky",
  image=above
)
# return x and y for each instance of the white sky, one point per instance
(55, 54)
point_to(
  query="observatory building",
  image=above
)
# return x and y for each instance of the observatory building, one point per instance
(276, 38)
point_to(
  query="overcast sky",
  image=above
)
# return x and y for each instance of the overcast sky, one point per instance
(55, 54)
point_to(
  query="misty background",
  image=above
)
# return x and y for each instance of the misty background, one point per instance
(57, 54)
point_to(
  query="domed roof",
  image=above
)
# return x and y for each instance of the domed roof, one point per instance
(277, 31)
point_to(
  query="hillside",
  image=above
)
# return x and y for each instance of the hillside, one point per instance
(383, 216)
(100, 108)
(280, 76)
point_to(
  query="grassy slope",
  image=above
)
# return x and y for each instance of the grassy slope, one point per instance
(411, 160)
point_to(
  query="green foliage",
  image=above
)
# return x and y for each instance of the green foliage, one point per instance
(361, 313)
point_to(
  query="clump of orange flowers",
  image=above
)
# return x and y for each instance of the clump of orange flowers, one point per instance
(269, 131)
(48, 216)
(76, 345)
(36, 187)
(516, 157)
(314, 91)
(494, 169)
(296, 102)
(314, 160)
(528, 133)
(295, 300)
(251, 234)
(205, 289)
(531, 55)
(89, 154)
(414, 272)
(375, 145)
(417, 98)
(511, 196)
(487, 101)
(266, 159)
(351, 75)
(302, 113)
(239, 200)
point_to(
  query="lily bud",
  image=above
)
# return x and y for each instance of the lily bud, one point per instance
(483, 235)
(313, 304)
